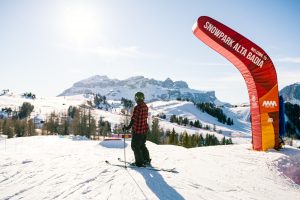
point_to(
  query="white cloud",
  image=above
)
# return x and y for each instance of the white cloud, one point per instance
(210, 64)
(232, 79)
(107, 51)
(289, 59)
(287, 78)
(131, 51)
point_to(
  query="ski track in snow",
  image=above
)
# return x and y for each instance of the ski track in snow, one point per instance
(51, 167)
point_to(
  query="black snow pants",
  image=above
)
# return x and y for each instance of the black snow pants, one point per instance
(138, 145)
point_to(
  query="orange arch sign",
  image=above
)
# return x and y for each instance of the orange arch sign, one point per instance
(258, 71)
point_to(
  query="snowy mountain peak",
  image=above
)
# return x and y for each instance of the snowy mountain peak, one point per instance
(92, 80)
(135, 78)
(291, 93)
(168, 83)
(154, 89)
(97, 78)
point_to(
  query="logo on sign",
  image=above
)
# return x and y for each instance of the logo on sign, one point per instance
(270, 120)
(253, 102)
(269, 104)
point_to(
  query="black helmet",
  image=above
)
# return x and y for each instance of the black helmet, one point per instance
(139, 97)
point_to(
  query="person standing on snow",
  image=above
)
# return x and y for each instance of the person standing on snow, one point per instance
(139, 126)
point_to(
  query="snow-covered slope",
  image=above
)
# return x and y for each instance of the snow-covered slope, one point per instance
(188, 110)
(52, 167)
(154, 90)
(240, 131)
(42, 105)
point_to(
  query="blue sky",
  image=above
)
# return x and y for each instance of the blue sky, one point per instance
(46, 46)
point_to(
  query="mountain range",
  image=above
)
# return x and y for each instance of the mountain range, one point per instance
(153, 89)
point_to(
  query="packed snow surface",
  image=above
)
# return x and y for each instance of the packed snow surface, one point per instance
(56, 167)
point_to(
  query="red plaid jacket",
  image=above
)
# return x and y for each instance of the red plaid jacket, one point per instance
(139, 119)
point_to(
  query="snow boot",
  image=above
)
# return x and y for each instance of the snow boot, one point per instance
(147, 162)
(138, 165)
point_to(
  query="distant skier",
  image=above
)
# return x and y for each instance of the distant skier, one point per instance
(139, 127)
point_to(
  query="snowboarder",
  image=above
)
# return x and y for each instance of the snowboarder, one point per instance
(139, 126)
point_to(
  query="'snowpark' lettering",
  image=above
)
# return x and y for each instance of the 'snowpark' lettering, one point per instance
(253, 56)
(219, 34)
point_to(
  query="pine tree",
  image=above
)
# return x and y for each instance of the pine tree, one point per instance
(207, 127)
(52, 123)
(30, 128)
(19, 127)
(228, 121)
(25, 110)
(172, 137)
(75, 123)
(215, 140)
(154, 134)
(190, 140)
(176, 139)
(71, 111)
(127, 103)
(180, 120)
(201, 141)
(83, 123)
(105, 128)
(1, 126)
(167, 135)
(91, 125)
(194, 142)
(212, 110)
(8, 128)
(185, 121)
(207, 140)
(223, 142)
(229, 141)
(174, 119)
(197, 124)
(101, 125)
(191, 123)
(185, 140)
(64, 127)
(180, 142)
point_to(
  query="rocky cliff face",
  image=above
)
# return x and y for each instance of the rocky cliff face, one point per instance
(291, 93)
(153, 89)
